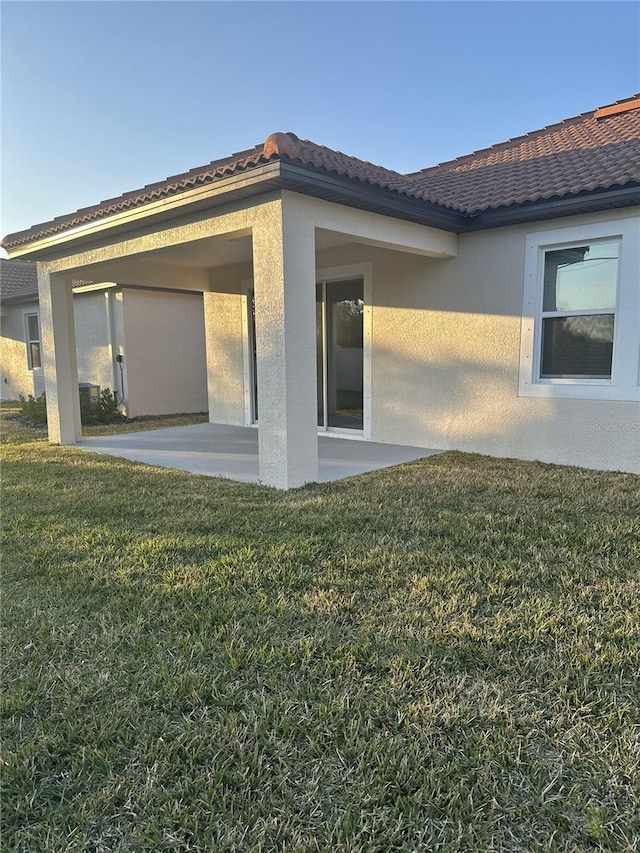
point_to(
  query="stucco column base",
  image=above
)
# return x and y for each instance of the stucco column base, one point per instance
(59, 358)
(285, 305)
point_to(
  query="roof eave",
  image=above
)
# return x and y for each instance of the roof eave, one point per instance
(277, 175)
(589, 201)
(32, 296)
(308, 180)
(245, 184)
(342, 189)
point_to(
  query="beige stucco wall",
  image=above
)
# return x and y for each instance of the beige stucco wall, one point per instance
(93, 337)
(15, 377)
(446, 357)
(162, 338)
(92, 346)
(445, 335)
(164, 352)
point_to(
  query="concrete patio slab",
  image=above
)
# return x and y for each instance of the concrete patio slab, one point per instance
(218, 450)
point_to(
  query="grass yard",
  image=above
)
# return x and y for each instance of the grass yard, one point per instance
(14, 431)
(442, 656)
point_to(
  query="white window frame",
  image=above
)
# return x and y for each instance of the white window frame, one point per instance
(328, 275)
(246, 290)
(624, 382)
(29, 340)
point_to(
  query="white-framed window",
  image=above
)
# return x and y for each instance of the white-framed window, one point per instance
(581, 313)
(32, 335)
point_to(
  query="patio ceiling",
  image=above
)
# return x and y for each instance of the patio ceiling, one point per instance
(184, 266)
(225, 250)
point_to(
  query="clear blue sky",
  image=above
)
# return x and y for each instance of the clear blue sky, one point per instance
(99, 98)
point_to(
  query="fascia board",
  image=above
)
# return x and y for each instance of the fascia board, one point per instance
(590, 202)
(19, 300)
(344, 190)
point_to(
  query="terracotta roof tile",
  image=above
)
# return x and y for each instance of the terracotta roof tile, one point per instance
(579, 154)
(136, 198)
(309, 153)
(595, 150)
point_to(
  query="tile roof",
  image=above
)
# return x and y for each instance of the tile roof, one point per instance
(136, 198)
(18, 280)
(597, 150)
(588, 152)
(277, 147)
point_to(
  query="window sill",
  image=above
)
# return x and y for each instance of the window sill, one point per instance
(572, 390)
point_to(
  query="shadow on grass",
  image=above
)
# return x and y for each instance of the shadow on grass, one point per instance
(441, 653)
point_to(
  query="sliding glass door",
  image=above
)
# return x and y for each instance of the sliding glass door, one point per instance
(339, 355)
(340, 366)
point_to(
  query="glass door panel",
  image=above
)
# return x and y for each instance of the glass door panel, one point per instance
(339, 354)
(254, 360)
(320, 356)
(343, 345)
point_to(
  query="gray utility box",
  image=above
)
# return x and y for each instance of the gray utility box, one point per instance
(89, 394)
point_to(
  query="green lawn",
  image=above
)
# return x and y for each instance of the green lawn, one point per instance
(14, 431)
(442, 656)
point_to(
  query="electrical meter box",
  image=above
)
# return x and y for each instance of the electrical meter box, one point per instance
(89, 394)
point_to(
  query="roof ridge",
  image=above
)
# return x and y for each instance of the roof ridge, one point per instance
(289, 145)
(447, 165)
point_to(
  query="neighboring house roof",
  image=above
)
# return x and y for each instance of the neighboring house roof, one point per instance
(18, 281)
(588, 154)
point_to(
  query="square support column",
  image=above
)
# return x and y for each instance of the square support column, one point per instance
(285, 305)
(57, 330)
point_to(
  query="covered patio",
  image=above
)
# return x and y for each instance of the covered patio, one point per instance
(221, 450)
(258, 237)
(278, 248)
